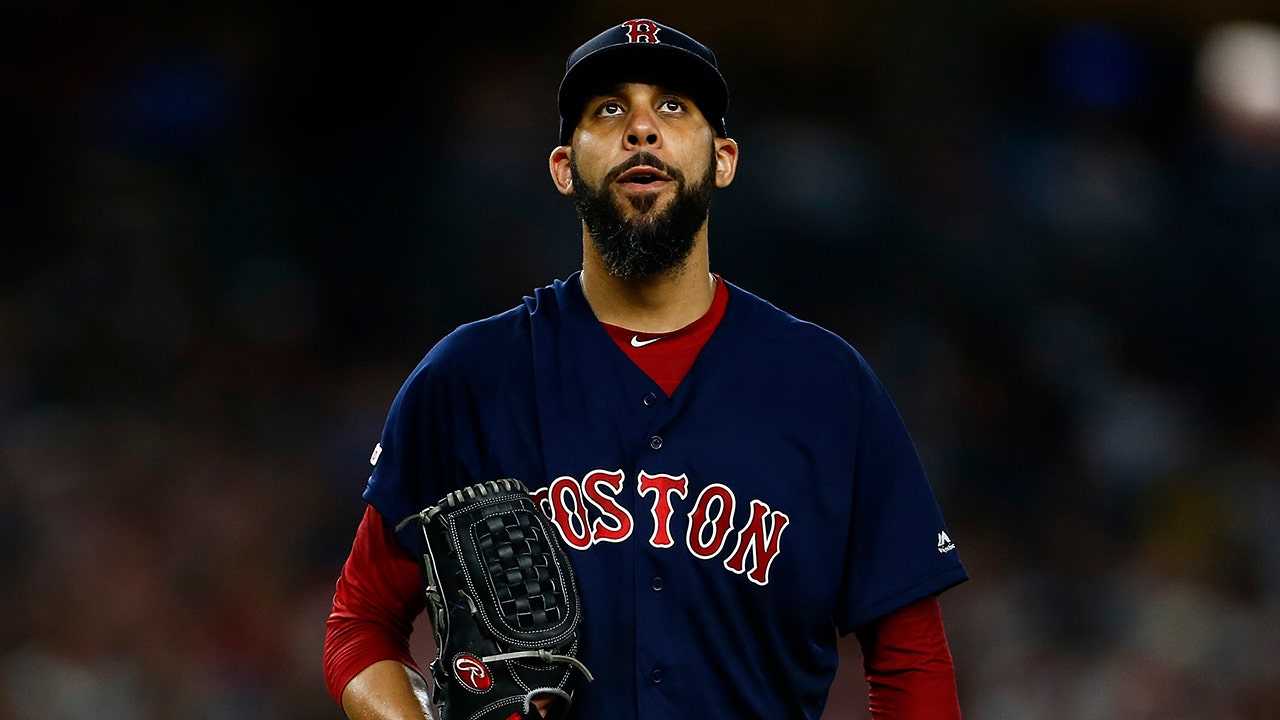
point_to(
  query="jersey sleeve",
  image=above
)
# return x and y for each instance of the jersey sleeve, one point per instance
(409, 459)
(900, 549)
(432, 441)
(458, 414)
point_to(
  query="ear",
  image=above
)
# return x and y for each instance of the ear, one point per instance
(561, 174)
(726, 161)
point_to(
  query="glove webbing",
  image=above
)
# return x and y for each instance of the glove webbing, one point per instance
(515, 556)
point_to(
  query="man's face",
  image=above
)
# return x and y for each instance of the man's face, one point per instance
(643, 171)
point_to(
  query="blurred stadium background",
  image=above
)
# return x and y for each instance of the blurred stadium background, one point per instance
(230, 231)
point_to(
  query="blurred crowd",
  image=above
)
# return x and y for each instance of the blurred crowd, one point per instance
(230, 233)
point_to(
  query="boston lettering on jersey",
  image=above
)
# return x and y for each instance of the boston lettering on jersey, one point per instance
(588, 512)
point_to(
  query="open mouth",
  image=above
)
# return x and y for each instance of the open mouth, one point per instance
(643, 176)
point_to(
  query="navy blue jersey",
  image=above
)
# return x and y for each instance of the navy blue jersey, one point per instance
(721, 536)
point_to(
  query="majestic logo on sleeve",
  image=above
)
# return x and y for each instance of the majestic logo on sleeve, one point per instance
(586, 512)
(641, 31)
(944, 543)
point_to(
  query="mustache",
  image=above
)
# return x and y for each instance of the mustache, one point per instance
(643, 158)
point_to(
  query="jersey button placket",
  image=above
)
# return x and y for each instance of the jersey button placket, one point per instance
(657, 673)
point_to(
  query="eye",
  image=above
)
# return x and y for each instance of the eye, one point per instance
(671, 105)
(610, 109)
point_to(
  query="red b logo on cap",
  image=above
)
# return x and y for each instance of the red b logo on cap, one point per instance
(641, 31)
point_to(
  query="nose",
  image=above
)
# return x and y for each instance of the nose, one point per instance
(642, 130)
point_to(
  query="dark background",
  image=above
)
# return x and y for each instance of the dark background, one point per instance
(229, 232)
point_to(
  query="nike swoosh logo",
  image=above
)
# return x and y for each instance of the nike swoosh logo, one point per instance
(637, 342)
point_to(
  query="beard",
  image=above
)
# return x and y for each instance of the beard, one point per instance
(652, 242)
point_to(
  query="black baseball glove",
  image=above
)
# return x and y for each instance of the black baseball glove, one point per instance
(504, 605)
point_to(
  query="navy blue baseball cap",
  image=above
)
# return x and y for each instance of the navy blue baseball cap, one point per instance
(645, 51)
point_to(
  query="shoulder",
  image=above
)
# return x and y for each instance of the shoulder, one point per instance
(777, 332)
(477, 351)
(474, 349)
(475, 344)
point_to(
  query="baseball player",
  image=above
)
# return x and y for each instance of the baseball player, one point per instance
(733, 485)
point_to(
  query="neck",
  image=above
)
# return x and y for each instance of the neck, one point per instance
(655, 304)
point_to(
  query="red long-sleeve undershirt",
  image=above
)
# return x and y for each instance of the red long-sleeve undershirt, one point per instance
(378, 595)
(908, 665)
(377, 598)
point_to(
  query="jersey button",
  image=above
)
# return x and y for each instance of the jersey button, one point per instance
(650, 399)
(657, 675)
(656, 584)
(655, 442)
